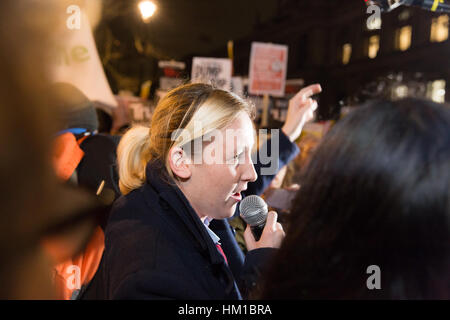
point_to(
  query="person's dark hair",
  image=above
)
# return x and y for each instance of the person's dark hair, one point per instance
(104, 116)
(376, 192)
(104, 121)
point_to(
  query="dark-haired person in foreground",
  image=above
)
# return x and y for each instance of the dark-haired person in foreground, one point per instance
(375, 202)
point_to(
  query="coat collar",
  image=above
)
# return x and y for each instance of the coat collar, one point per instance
(169, 194)
(172, 196)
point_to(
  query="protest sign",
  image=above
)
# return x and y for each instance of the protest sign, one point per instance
(268, 68)
(77, 62)
(214, 71)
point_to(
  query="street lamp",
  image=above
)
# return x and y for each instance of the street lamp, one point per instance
(147, 9)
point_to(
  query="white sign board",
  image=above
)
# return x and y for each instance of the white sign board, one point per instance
(77, 62)
(268, 68)
(214, 71)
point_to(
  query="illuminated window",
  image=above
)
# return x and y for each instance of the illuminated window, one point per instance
(403, 38)
(439, 29)
(436, 90)
(374, 23)
(373, 47)
(400, 91)
(346, 53)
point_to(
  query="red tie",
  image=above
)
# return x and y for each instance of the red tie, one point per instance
(221, 252)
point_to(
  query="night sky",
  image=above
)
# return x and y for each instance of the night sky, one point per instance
(184, 27)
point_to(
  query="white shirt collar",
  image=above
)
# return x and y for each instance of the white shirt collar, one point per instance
(215, 238)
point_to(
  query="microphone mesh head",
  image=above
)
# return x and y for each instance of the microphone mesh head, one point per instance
(253, 210)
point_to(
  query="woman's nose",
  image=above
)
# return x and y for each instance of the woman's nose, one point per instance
(249, 173)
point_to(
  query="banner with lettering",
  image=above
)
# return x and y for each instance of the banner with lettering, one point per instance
(77, 62)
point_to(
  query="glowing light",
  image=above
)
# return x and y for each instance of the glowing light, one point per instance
(401, 92)
(346, 53)
(147, 9)
(439, 29)
(374, 46)
(403, 38)
(436, 90)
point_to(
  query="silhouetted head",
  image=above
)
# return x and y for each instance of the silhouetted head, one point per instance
(376, 192)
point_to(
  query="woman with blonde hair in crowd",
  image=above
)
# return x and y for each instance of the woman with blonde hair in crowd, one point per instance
(179, 178)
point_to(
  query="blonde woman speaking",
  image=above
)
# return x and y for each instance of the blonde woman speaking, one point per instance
(192, 167)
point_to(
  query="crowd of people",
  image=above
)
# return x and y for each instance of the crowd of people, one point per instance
(152, 214)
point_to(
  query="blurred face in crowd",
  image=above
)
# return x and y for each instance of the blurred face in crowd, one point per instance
(214, 186)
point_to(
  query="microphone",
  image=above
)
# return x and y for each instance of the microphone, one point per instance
(431, 5)
(253, 211)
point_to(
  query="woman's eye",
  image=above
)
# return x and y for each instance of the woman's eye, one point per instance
(238, 157)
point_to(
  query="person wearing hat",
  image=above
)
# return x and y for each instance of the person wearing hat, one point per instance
(95, 169)
(86, 159)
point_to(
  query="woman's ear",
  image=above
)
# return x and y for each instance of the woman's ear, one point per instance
(179, 163)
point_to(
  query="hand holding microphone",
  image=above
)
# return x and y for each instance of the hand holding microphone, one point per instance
(263, 230)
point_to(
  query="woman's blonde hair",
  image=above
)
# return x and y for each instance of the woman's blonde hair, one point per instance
(212, 108)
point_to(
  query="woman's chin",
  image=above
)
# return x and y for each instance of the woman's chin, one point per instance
(232, 211)
(227, 212)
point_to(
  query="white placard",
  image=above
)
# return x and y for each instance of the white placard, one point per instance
(77, 62)
(212, 71)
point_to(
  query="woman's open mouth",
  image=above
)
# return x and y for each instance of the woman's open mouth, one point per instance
(237, 196)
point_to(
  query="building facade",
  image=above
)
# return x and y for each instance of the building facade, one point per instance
(352, 53)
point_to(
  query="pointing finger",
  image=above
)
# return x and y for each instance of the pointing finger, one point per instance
(308, 91)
